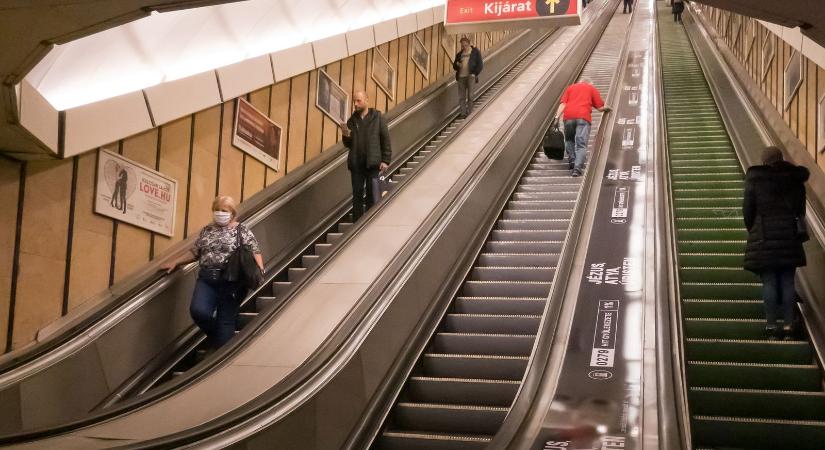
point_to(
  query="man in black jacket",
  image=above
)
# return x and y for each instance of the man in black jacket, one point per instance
(366, 136)
(774, 202)
(467, 65)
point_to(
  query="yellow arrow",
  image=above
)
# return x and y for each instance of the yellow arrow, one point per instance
(552, 4)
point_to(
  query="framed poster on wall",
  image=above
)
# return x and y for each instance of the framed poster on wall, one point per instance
(420, 55)
(768, 53)
(135, 194)
(750, 35)
(793, 77)
(736, 30)
(383, 73)
(331, 98)
(448, 43)
(255, 134)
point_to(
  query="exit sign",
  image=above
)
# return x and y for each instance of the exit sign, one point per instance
(465, 16)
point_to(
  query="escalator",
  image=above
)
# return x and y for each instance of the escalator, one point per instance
(463, 385)
(744, 391)
(267, 298)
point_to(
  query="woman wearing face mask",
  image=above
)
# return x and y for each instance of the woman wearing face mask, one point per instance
(215, 302)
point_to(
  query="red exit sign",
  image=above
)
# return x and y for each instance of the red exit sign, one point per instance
(483, 15)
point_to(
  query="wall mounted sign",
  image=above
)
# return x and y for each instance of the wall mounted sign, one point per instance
(135, 194)
(383, 73)
(331, 98)
(420, 55)
(256, 134)
(468, 16)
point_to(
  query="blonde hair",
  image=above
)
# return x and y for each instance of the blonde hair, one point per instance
(225, 201)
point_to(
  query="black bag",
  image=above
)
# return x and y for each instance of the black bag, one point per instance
(553, 142)
(802, 228)
(241, 266)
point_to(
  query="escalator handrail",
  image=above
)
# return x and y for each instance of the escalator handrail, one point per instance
(222, 355)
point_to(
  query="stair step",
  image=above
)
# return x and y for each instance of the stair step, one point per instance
(523, 246)
(723, 309)
(310, 261)
(711, 259)
(492, 324)
(333, 238)
(722, 432)
(720, 328)
(535, 259)
(295, 274)
(482, 344)
(505, 289)
(395, 440)
(787, 377)
(752, 351)
(525, 273)
(768, 404)
(493, 367)
(244, 318)
(538, 214)
(322, 249)
(461, 391)
(280, 288)
(522, 234)
(499, 305)
(720, 290)
(449, 418)
(717, 275)
(265, 303)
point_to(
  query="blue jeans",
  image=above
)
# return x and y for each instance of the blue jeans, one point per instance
(214, 309)
(778, 286)
(576, 134)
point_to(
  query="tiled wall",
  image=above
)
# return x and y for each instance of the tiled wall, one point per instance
(56, 253)
(747, 37)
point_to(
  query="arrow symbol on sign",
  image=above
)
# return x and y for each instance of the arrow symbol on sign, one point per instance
(552, 4)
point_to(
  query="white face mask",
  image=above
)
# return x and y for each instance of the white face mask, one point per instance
(222, 218)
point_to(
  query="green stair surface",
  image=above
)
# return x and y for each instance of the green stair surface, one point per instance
(744, 391)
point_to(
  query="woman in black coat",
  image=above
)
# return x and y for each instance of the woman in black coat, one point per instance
(774, 199)
(677, 8)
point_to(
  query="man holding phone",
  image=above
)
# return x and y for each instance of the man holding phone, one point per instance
(366, 136)
(467, 65)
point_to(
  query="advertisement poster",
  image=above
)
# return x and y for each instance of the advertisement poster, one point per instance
(255, 134)
(420, 56)
(383, 73)
(332, 100)
(448, 43)
(132, 193)
(467, 16)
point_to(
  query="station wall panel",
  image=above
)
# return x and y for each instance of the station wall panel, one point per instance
(68, 258)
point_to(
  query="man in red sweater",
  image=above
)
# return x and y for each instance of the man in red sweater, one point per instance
(577, 102)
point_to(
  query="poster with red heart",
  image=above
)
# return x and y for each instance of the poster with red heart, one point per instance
(464, 16)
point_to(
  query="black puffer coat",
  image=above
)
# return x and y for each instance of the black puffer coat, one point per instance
(774, 197)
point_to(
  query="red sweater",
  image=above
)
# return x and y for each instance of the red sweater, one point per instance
(579, 99)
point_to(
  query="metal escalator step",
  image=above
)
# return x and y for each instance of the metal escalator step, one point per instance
(492, 367)
(734, 234)
(568, 184)
(296, 273)
(712, 259)
(711, 187)
(518, 259)
(537, 214)
(462, 391)
(343, 227)
(483, 344)
(717, 275)
(500, 305)
(730, 432)
(546, 196)
(523, 246)
(709, 176)
(265, 303)
(533, 222)
(244, 318)
(733, 201)
(723, 309)
(712, 328)
(721, 290)
(322, 249)
(475, 288)
(787, 377)
(706, 211)
(709, 222)
(333, 238)
(446, 418)
(699, 163)
(533, 235)
(768, 404)
(711, 246)
(750, 351)
(541, 204)
(309, 261)
(701, 194)
(522, 273)
(492, 323)
(280, 288)
(394, 440)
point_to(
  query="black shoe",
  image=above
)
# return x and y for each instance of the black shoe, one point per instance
(571, 166)
(788, 333)
(770, 332)
(575, 173)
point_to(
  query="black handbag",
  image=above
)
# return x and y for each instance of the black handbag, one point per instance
(241, 267)
(802, 228)
(553, 143)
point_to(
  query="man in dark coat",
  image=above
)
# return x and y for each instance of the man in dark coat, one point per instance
(774, 201)
(677, 8)
(368, 139)
(467, 65)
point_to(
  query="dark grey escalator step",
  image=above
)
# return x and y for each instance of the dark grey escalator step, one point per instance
(510, 273)
(296, 273)
(555, 179)
(738, 432)
(343, 227)
(723, 309)
(784, 377)
(492, 367)
(557, 194)
(396, 440)
(333, 238)
(534, 222)
(519, 259)
(505, 289)
(398, 177)
(419, 158)
(492, 323)
(280, 288)
(791, 405)
(482, 344)
(447, 418)
(322, 249)
(546, 214)
(310, 261)
(461, 391)
(406, 170)
(500, 305)
(749, 351)
(524, 246)
(245, 317)
(570, 184)
(264, 303)
(528, 234)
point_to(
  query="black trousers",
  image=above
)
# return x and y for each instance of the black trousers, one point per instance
(628, 6)
(365, 192)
